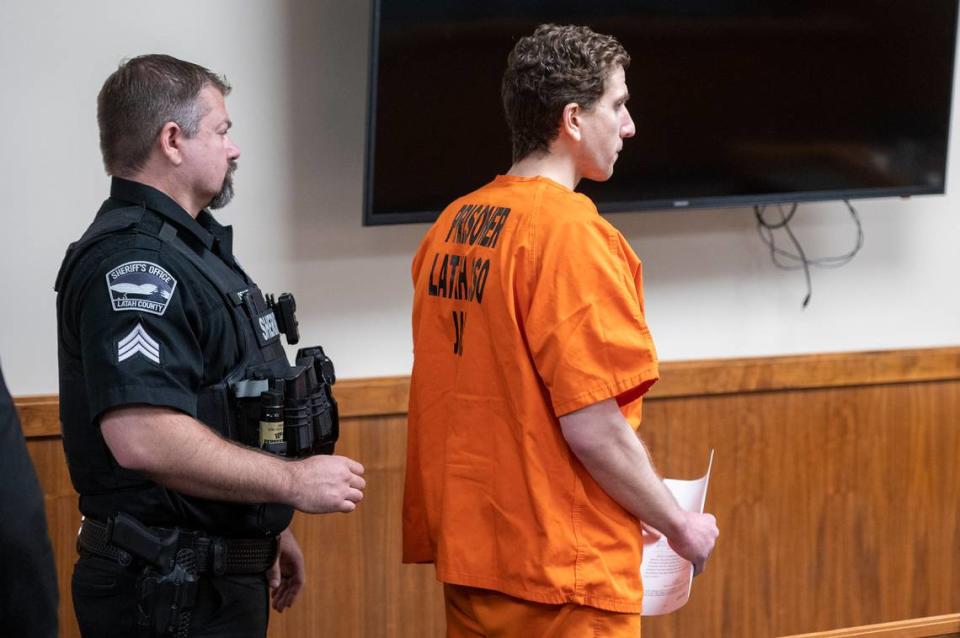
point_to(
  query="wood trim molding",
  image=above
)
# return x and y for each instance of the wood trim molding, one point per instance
(39, 415)
(934, 626)
(843, 369)
(387, 396)
(382, 396)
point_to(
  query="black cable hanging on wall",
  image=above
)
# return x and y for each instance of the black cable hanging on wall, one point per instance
(787, 260)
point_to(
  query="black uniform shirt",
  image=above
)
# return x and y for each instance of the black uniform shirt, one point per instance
(139, 324)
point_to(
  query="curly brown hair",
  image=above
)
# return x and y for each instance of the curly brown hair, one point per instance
(555, 66)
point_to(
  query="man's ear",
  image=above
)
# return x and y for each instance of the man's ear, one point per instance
(570, 121)
(170, 142)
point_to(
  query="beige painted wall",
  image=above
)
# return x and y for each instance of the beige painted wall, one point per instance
(299, 75)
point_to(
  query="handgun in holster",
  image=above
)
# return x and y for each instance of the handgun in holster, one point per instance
(167, 586)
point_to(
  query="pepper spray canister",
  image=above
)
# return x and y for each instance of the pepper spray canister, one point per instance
(271, 423)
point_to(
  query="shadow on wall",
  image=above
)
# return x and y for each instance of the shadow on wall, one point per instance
(724, 245)
(328, 53)
(691, 245)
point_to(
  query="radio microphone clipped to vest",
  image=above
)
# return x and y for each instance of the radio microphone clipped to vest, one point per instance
(285, 309)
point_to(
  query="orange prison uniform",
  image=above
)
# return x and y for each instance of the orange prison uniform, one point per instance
(527, 306)
(484, 613)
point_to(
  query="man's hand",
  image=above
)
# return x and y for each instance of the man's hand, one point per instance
(696, 539)
(182, 454)
(287, 576)
(325, 484)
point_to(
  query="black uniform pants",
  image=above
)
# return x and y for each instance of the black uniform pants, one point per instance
(105, 599)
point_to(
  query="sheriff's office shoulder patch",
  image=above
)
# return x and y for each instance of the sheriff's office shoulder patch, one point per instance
(142, 286)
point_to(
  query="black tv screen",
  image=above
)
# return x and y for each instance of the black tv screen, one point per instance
(736, 102)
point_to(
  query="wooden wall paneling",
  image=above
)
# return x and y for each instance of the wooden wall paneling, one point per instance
(836, 506)
(359, 588)
(835, 485)
(63, 518)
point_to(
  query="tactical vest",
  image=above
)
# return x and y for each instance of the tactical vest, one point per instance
(301, 394)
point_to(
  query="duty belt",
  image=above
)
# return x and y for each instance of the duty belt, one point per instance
(214, 554)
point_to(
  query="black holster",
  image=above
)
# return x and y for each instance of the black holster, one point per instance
(166, 600)
(167, 587)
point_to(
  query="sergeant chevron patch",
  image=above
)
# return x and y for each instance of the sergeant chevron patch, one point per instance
(138, 342)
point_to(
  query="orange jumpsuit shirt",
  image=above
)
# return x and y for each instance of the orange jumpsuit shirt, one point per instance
(527, 306)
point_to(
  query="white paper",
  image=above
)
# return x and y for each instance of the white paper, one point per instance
(667, 578)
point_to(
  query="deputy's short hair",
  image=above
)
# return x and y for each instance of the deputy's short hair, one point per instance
(140, 97)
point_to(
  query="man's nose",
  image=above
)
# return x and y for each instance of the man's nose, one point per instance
(233, 151)
(627, 128)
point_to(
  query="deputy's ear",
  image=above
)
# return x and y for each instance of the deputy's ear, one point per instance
(570, 121)
(170, 141)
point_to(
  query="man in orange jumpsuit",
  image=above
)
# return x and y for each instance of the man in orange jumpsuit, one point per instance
(526, 481)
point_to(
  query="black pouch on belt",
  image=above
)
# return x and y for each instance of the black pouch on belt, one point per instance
(325, 411)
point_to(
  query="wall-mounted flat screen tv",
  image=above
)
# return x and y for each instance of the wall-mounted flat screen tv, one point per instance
(736, 102)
